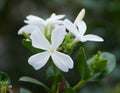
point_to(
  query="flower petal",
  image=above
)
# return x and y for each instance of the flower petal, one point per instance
(34, 20)
(31, 19)
(81, 27)
(54, 22)
(71, 27)
(54, 19)
(39, 40)
(39, 60)
(28, 29)
(62, 61)
(58, 35)
(80, 16)
(91, 37)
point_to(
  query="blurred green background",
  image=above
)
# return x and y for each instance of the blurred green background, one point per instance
(102, 18)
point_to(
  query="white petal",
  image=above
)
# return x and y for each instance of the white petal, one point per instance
(28, 29)
(52, 15)
(56, 17)
(31, 19)
(71, 27)
(39, 60)
(81, 27)
(34, 20)
(62, 61)
(80, 16)
(91, 37)
(57, 37)
(54, 22)
(39, 40)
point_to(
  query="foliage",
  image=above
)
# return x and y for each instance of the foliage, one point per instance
(102, 19)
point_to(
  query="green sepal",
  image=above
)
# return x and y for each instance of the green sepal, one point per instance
(82, 65)
(28, 44)
(67, 45)
(34, 81)
(111, 63)
(26, 35)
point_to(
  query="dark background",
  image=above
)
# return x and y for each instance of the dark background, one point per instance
(102, 18)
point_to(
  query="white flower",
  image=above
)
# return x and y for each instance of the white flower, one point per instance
(79, 30)
(37, 23)
(62, 61)
(80, 16)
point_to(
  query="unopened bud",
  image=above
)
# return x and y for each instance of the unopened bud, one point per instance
(80, 16)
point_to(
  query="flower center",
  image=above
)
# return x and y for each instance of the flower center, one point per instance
(52, 50)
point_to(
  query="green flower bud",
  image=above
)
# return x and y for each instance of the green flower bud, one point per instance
(99, 63)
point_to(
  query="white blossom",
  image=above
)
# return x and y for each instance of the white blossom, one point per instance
(37, 23)
(79, 30)
(61, 60)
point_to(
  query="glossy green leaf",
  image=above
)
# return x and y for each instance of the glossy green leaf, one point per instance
(34, 81)
(111, 61)
(82, 65)
(109, 68)
(28, 44)
(23, 90)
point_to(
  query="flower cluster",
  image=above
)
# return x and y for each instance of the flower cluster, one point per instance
(48, 35)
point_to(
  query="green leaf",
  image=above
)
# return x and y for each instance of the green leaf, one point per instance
(51, 76)
(34, 81)
(111, 62)
(27, 43)
(109, 68)
(50, 72)
(4, 78)
(69, 90)
(23, 90)
(82, 65)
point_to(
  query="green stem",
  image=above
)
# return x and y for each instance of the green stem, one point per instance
(73, 43)
(54, 85)
(80, 84)
(57, 90)
(4, 88)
